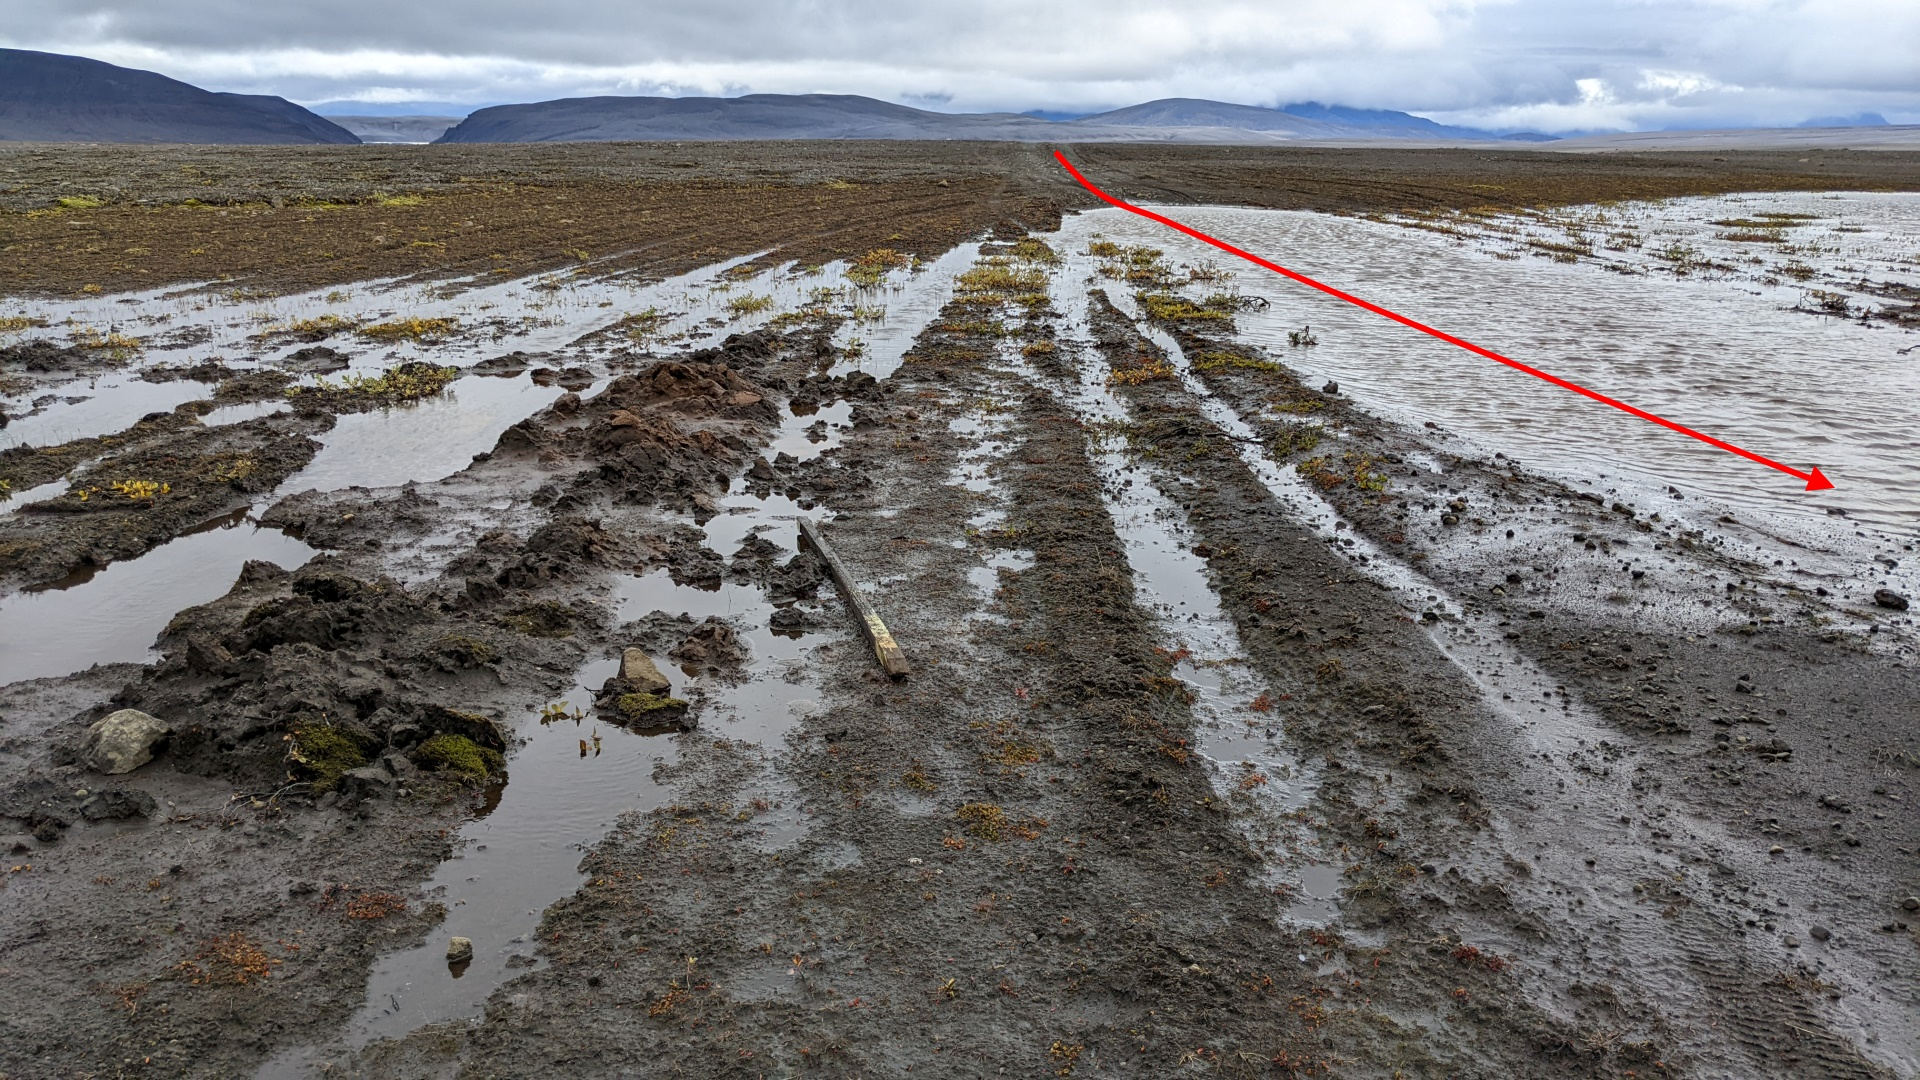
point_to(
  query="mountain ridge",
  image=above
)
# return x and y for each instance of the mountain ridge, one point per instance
(53, 97)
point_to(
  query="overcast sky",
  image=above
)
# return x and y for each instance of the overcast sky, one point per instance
(1549, 65)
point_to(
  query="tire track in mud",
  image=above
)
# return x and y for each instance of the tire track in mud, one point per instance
(1703, 982)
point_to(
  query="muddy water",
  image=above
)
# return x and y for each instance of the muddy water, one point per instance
(115, 614)
(82, 410)
(1572, 768)
(422, 442)
(1726, 356)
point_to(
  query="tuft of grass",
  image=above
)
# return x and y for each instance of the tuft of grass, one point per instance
(1222, 361)
(412, 328)
(79, 202)
(110, 341)
(20, 322)
(872, 268)
(748, 304)
(319, 326)
(381, 198)
(1034, 250)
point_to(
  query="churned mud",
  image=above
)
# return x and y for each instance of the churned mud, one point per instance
(1255, 726)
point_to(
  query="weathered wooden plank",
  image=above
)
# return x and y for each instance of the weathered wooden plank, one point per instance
(892, 658)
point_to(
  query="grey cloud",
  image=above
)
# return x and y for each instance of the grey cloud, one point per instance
(1541, 63)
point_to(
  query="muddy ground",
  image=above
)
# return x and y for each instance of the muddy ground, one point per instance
(1676, 838)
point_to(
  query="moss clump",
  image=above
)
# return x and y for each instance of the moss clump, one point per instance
(545, 619)
(641, 706)
(468, 652)
(984, 820)
(458, 754)
(325, 754)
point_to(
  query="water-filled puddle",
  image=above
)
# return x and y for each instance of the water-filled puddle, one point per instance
(422, 442)
(106, 406)
(114, 614)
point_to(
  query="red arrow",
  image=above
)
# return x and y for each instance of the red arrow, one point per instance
(1815, 481)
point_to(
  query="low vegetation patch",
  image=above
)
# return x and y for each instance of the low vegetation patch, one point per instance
(410, 329)
(1172, 308)
(401, 383)
(748, 304)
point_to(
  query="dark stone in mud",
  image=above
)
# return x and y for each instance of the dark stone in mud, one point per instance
(1819, 933)
(1331, 387)
(117, 804)
(1889, 599)
(315, 360)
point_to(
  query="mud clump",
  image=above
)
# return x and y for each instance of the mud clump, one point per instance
(712, 648)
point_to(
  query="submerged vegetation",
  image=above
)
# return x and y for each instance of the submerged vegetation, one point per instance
(401, 383)
(410, 329)
(872, 268)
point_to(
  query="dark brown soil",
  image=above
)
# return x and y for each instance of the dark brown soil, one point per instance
(281, 219)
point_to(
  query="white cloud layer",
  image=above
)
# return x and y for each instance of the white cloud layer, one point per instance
(1552, 65)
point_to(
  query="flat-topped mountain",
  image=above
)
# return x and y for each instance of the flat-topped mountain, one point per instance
(47, 97)
(846, 116)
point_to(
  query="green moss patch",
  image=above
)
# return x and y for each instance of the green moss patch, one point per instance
(639, 707)
(325, 754)
(459, 754)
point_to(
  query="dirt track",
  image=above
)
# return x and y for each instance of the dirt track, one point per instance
(1039, 855)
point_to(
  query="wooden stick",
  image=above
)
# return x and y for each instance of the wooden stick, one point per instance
(892, 659)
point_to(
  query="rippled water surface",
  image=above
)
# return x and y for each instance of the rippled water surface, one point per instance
(1724, 351)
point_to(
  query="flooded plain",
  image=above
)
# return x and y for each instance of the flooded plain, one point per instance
(1652, 304)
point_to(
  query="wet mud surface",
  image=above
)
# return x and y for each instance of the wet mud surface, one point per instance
(1252, 729)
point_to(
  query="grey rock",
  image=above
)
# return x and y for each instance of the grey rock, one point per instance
(123, 741)
(638, 668)
(1819, 933)
(1889, 599)
(459, 950)
(1911, 903)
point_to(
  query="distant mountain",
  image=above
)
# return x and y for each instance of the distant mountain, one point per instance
(1381, 122)
(754, 116)
(396, 128)
(1200, 113)
(1865, 119)
(842, 116)
(47, 97)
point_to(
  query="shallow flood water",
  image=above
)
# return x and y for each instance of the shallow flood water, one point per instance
(1731, 358)
(114, 615)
